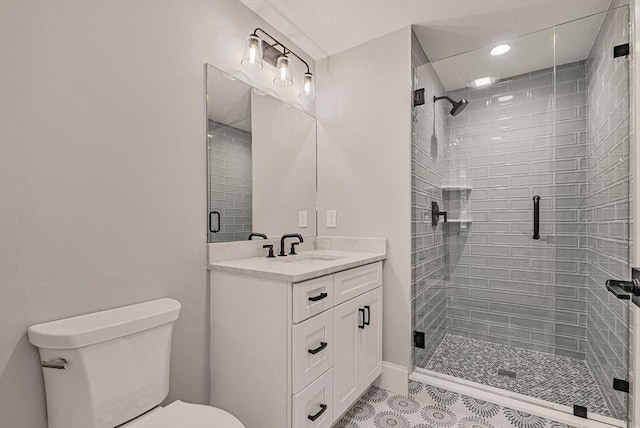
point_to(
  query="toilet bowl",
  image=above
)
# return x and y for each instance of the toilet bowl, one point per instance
(111, 368)
(179, 414)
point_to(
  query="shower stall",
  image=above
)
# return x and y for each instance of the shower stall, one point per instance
(508, 287)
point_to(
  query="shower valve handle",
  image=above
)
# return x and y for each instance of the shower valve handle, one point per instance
(436, 213)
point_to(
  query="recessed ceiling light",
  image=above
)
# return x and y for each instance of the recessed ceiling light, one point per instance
(483, 81)
(505, 98)
(500, 50)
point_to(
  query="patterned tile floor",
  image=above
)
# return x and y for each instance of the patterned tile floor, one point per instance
(431, 407)
(545, 376)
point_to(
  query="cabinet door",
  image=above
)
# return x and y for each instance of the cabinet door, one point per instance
(370, 360)
(347, 320)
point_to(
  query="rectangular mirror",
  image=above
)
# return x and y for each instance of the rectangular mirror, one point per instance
(261, 163)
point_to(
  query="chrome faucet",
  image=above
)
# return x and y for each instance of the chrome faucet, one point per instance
(285, 236)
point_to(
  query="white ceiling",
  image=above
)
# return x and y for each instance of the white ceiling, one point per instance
(455, 34)
(535, 51)
(444, 27)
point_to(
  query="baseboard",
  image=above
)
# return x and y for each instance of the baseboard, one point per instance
(394, 378)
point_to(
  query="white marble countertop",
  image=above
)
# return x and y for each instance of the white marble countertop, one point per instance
(307, 266)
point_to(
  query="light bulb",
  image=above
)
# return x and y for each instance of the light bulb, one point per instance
(308, 89)
(283, 72)
(252, 57)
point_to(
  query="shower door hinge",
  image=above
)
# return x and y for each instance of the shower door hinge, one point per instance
(621, 385)
(418, 97)
(579, 411)
(418, 339)
(621, 50)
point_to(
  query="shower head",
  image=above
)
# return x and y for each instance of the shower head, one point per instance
(458, 106)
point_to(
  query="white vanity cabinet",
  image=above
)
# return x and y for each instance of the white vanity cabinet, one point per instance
(294, 354)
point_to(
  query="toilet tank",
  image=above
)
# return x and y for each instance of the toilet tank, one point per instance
(117, 363)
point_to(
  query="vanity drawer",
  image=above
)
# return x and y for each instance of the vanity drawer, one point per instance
(312, 297)
(315, 402)
(354, 282)
(312, 349)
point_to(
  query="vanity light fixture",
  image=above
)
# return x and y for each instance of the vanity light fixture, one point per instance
(500, 49)
(277, 54)
(253, 55)
(283, 72)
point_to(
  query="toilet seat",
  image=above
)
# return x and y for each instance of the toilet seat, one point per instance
(186, 415)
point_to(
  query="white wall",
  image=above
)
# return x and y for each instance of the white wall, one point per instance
(364, 164)
(102, 172)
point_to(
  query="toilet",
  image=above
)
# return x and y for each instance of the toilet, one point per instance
(111, 368)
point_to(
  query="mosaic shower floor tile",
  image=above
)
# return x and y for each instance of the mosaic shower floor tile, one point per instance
(431, 407)
(545, 376)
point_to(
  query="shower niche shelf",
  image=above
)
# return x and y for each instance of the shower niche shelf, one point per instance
(455, 197)
(456, 188)
(458, 220)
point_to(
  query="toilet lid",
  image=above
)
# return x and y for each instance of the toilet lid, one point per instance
(186, 415)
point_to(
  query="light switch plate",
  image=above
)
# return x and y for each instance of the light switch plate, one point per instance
(332, 220)
(302, 219)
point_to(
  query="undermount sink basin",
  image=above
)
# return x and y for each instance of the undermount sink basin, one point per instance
(309, 258)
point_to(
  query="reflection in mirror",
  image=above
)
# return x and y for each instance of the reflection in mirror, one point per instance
(261, 163)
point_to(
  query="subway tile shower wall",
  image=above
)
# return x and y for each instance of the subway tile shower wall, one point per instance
(562, 134)
(522, 137)
(607, 206)
(229, 152)
(428, 169)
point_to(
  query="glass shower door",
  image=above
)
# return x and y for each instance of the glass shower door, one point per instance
(495, 304)
(607, 210)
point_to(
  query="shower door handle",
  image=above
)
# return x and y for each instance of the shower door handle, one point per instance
(217, 229)
(623, 289)
(536, 217)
